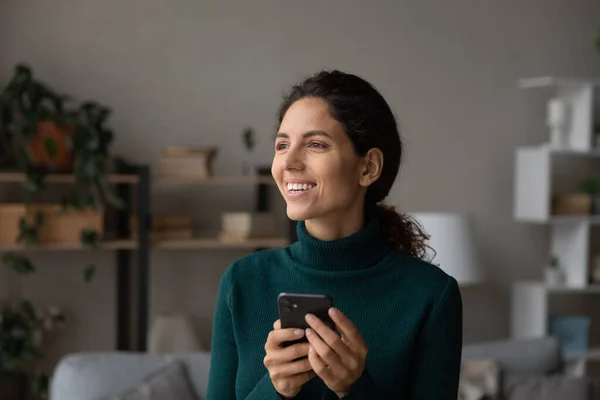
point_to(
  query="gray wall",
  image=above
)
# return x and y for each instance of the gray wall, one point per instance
(191, 72)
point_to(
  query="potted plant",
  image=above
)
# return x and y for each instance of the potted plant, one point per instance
(591, 187)
(23, 333)
(249, 142)
(42, 131)
(554, 275)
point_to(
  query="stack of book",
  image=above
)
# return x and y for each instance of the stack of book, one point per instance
(186, 162)
(167, 226)
(237, 226)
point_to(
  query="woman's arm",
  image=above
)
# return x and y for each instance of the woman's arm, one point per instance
(436, 369)
(224, 354)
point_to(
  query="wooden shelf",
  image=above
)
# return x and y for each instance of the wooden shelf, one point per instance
(208, 243)
(18, 177)
(215, 180)
(107, 245)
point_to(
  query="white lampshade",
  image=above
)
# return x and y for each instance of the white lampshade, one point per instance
(451, 236)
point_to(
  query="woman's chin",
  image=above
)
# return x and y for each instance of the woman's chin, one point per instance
(296, 214)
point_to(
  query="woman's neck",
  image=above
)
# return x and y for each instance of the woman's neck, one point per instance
(335, 226)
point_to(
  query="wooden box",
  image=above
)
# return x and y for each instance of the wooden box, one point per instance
(56, 227)
(571, 204)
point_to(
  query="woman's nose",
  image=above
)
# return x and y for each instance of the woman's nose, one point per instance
(293, 160)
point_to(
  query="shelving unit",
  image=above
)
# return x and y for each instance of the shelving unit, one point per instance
(536, 180)
(124, 246)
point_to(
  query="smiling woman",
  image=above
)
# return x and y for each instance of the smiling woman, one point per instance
(398, 332)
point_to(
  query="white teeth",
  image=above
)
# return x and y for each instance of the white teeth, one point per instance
(300, 186)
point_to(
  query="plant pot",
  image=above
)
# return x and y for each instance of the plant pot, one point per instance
(554, 277)
(13, 387)
(49, 131)
(571, 204)
(56, 228)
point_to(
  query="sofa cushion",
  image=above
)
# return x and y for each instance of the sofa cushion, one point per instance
(97, 375)
(554, 387)
(523, 357)
(169, 382)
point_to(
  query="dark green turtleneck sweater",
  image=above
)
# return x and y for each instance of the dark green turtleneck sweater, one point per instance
(408, 311)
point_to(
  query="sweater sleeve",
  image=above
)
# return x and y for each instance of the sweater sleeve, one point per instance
(436, 368)
(224, 354)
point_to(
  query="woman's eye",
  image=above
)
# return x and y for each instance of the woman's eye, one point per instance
(318, 145)
(280, 146)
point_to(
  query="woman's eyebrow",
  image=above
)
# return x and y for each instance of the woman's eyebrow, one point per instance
(305, 135)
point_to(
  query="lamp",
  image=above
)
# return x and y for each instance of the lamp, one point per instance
(451, 236)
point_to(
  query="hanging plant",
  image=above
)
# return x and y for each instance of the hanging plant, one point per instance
(41, 132)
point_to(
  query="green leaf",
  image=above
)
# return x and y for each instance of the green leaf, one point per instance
(39, 219)
(28, 310)
(90, 237)
(248, 138)
(51, 146)
(19, 263)
(89, 273)
(39, 385)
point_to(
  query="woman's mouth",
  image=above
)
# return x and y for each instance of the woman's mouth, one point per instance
(297, 189)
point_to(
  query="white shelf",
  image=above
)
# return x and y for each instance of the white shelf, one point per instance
(541, 172)
(578, 94)
(549, 81)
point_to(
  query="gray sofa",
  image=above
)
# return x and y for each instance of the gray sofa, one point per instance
(532, 369)
(96, 376)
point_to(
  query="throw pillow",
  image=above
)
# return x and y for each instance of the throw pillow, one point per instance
(479, 380)
(169, 382)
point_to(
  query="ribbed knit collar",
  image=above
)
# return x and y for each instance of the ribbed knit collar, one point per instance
(357, 251)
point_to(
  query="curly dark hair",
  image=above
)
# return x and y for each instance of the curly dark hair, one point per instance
(369, 123)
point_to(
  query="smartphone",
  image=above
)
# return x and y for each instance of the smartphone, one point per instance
(293, 307)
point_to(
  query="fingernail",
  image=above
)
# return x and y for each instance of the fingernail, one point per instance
(308, 331)
(298, 332)
(310, 317)
(333, 312)
(310, 349)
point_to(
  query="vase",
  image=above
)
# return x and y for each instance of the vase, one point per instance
(554, 277)
(557, 120)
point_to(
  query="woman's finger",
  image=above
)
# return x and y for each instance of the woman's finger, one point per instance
(319, 365)
(278, 336)
(277, 324)
(326, 353)
(330, 337)
(349, 331)
(293, 368)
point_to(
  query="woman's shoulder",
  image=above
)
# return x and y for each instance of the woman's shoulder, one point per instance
(424, 273)
(256, 264)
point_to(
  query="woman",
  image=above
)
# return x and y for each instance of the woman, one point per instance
(399, 318)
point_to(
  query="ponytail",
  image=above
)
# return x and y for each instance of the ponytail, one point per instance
(402, 231)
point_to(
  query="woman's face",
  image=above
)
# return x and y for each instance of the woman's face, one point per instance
(315, 166)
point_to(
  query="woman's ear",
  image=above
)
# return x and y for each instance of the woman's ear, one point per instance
(373, 164)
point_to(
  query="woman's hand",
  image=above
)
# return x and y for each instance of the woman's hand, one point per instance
(287, 373)
(338, 361)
